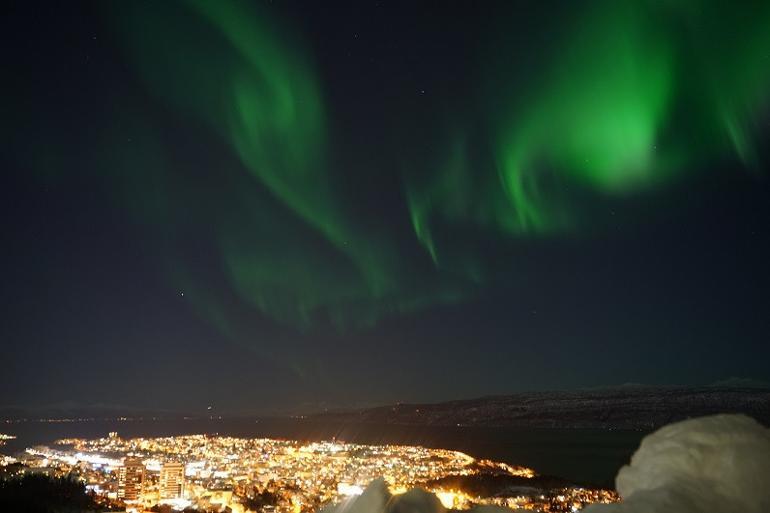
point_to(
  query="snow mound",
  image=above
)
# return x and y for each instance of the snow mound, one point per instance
(377, 499)
(716, 464)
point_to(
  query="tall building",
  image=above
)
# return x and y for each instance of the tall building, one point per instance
(130, 479)
(171, 483)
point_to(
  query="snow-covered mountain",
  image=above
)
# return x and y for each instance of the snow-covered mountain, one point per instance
(625, 407)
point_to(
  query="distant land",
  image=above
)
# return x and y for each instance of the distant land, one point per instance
(76, 411)
(625, 407)
(629, 406)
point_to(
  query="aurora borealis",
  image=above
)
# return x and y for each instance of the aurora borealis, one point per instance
(595, 118)
(603, 115)
(304, 185)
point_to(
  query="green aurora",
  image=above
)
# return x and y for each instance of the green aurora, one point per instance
(633, 97)
(627, 99)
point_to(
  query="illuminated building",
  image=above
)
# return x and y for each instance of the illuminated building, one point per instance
(291, 476)
(171, 482)
(130, 479)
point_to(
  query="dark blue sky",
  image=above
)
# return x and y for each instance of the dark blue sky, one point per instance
(112, 296)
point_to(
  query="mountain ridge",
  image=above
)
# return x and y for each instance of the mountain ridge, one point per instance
(637, 407)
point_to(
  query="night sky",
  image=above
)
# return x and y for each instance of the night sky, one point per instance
(273, 206)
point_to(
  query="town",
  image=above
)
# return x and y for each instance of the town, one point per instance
(240, 475)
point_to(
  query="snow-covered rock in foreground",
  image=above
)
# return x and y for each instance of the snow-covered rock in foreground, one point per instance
(716, 464)
(377, 499)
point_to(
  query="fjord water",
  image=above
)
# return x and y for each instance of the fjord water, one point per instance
(585, 456)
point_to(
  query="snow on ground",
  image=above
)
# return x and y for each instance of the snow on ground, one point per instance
(716, 464)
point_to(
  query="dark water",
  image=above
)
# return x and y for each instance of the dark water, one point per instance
(582, 455)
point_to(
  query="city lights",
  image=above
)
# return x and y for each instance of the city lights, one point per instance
(285, 476)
